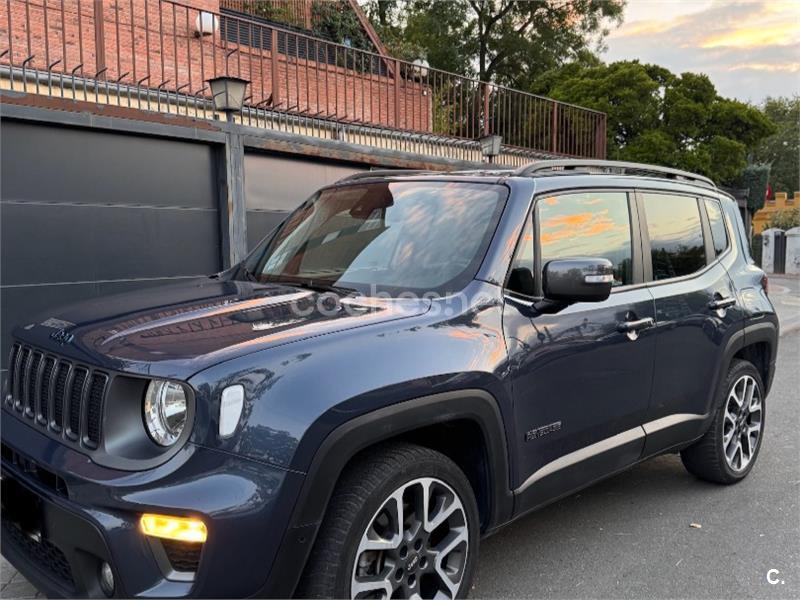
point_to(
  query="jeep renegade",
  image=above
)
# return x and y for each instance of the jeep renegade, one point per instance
(410, 361)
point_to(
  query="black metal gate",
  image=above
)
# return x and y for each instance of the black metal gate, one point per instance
(780, 252)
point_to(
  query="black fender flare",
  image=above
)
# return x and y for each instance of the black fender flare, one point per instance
(344, 442)
(751, 333)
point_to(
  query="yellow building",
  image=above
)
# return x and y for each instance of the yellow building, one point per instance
(780, 202)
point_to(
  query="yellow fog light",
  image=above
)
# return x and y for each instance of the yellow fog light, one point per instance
(174, 528)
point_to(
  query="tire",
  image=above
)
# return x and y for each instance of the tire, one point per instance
(710, 457)
(366, 497)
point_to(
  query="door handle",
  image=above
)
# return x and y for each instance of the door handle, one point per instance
(632, 328)
(722, 303)
(638, 325)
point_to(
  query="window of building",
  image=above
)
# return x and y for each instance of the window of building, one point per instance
(588, 224)
(719, 232)
(676, 235)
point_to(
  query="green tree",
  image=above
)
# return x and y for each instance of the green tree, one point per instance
(754, 179)
(782, 149)
(785, 219)
(505, 41)
(655, 116)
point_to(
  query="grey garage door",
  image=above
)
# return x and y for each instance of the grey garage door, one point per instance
(86, 213)
(275, 185)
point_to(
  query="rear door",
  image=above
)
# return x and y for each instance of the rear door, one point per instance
(696, 310)
(581, 386)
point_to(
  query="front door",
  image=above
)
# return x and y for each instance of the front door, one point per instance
(581, 382)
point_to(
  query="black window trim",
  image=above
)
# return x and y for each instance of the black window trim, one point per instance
(705, 225)
(645, 235)
(532, 219)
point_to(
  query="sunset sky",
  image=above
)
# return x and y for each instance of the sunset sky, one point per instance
(749, 49)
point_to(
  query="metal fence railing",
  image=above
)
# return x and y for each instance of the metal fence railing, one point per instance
(159, 54)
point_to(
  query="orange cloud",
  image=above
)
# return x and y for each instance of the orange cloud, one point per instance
(650, 27)
(585, 232)
(754, 36)
(598, 228)
(576, 220)
(551, 237)
(771, 68)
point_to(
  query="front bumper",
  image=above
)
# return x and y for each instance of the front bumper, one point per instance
(64, 515)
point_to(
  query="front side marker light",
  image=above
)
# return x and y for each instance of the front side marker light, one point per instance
(181, 529)
(230, 409)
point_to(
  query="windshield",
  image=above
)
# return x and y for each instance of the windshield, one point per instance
(384, 237)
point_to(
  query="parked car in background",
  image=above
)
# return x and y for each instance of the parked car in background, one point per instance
(409, 362)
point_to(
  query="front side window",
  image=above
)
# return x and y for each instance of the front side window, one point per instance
(384, 237)
(676, 235)
(719, 233)
(523, 257)
(588, 224)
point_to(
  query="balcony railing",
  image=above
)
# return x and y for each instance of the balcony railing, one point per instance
(158, 55)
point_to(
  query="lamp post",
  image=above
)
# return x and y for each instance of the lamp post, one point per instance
(490, 146)
(228, 94)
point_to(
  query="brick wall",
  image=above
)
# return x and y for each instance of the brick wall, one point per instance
(155, 43)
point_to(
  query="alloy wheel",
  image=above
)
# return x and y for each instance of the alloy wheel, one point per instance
(415, 545)
(741, 429)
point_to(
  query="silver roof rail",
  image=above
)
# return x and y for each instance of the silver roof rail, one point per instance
(587, 166)
(386, 173)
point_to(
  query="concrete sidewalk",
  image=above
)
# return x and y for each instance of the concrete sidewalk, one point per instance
(784, 291)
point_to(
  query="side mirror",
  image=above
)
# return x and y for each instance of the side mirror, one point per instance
(578, 280)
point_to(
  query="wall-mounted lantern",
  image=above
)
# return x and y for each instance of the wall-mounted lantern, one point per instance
(206, 23)
(420, 67)
(490, 146)
(228, 94)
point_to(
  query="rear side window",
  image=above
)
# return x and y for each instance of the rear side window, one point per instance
(588, 224)
(676, 235)
(719, 232)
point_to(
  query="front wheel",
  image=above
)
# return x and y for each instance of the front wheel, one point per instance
(728, 451)
(402, 523)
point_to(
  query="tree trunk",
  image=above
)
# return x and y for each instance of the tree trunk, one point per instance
(482, 49)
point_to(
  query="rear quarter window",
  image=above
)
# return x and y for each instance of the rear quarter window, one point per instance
(719, 233)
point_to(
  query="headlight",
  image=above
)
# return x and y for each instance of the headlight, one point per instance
(164, 411)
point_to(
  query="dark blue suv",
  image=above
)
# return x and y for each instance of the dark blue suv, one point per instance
(407, 363)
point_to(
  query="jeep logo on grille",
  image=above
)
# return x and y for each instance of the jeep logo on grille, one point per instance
(62, 336)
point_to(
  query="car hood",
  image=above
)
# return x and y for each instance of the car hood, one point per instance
(180, 329)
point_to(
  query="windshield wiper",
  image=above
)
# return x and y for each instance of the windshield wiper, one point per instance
(320, 287)
(248, 275)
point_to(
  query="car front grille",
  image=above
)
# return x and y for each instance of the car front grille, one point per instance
(57, 393)
(183, 556)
